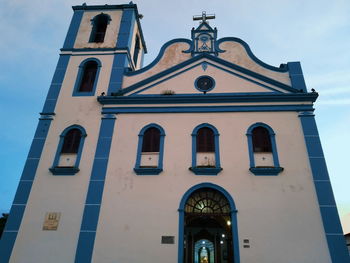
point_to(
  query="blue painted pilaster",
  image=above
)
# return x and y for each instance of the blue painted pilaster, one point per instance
(94, 195)
(9, 236)
(324, 192)
(56, 83)
(73, 29)
(120, 61)
(296, 76)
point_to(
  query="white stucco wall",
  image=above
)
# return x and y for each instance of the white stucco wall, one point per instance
(279, 215)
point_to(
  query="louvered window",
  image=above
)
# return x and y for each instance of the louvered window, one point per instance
(205, 140)
(261, 140)
(151, 140)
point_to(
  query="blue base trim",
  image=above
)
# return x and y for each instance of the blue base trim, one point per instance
(272, 171)
(205, 170)
(64, 170)
(148, 171)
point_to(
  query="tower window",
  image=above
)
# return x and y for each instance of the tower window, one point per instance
(137, 50)
(69, 151)
(99, 28)
(261, 140)
(89, 76)
(71, 141)
(205, 140)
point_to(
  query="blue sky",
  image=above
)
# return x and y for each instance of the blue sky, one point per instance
(316, 33)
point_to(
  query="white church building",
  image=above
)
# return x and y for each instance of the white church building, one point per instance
(206, 155)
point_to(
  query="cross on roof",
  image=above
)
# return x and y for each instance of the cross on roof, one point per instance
(203, 17)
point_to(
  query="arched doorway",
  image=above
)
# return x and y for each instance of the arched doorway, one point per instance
(208, 226)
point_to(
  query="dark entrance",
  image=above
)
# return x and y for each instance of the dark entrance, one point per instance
(207, 233)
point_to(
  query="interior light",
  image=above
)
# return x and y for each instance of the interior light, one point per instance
(203, 242)
(223, 235)
(228, 222)
(221, 242)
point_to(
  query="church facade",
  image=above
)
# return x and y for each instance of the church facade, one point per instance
(207, 154)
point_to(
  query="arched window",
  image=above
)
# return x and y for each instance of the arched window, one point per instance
(99, 28)
(136, 50)
(89, 76)
(205, 140)
(262, 150)
(149, 160)
(71, 141)
(205, 150)
(69, 151)
(151, 140)
(261, 140)
(86, 82)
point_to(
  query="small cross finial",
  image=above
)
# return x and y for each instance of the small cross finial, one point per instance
(203, 17)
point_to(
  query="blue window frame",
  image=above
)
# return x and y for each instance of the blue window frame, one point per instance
(262, 150)
(205, 156)
(69, 151)
(86, 82)
(150, 150)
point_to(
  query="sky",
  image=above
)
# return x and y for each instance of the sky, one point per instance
(314, 32)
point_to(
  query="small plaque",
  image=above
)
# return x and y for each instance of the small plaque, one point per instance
(246, 241)
(51, 220)
(168, 240)
(246, 246)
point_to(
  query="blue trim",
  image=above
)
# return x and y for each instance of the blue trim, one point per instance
(126, 29)
(78, 80)
(209, 58)
(234, 223)
(73, 29)
(23, 191)
(95, 191)
(56, 169)
(139, 170)
(296, 76)
(208, 98)
(198, 88)
(64, 170)
(200, 109)
(203, 170)
(120, 61)
(263, 170)
(328, 209)
(147, 171)
(272, 171)
(282, 68)
(118, 68)
(56, 83)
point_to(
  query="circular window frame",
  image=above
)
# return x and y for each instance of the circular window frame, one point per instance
(204, 76)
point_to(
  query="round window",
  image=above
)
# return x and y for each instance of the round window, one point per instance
(204, 83)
